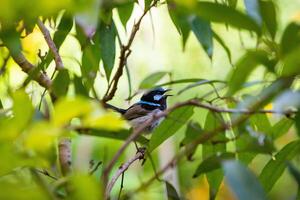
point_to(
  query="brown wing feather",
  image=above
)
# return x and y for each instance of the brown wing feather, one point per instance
(135, 111)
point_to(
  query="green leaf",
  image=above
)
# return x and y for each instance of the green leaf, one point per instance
(297, 122)
(261, 123)
(118, 135)
(203, 32)
(275, 167)
(216, 12)
(108, 34)
(180, 20)
(290, 39)
(170, 126)
(79, 87)
(171, 192)
(61, 83)
(244, 67)
(282, 127)
(268, 14)
(91, 56)
(291, 63)
(232, 3)
(242, 181)
(192, 132)
(125, 12)
(151, 80)
(222, 43)
(294, 172)
(252, 7)
(215, 146)
(212, 163)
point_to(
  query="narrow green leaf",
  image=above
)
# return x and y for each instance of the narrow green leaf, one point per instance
(222, 43)
(203, 32)
(125, 12)
(192, 132)
(118, 135)
(261, 123)
(252, 7)
(189, 80)
(171, 192)
(291, 63)
(61, 83)
(275, 167)
(151, 80)
(170, 126)
(212, 163)
(268, 14)
(216, 12)
(108, 47)
(281, 127)
(244, 67)
(243, 182)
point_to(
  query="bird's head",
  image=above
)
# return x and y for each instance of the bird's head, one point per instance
(157, 97)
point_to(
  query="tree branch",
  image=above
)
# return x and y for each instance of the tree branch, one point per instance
(65, 155)
(138, 156)
(28, 68)
(51, 45)
(124, 54)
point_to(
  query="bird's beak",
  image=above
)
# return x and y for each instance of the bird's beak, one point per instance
(167, 95)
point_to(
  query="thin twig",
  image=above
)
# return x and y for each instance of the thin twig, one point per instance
(125, 52)
(46, 173)
(138, 156)
(65, 155)
(121, 186)
(92, 171)
(3, 67)
(51, 45)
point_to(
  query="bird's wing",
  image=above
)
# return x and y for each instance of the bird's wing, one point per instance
(135, 111)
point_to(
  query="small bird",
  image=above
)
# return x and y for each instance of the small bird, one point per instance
(151, 102)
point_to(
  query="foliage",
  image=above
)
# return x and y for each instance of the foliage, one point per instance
(245, 120)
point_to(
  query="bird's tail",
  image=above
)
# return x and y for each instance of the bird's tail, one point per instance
(119, 110)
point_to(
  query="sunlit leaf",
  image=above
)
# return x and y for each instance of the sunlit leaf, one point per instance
(111, 121)
(84, 186)
(212, 163)
(151, 80)
(61, 83)
(171, 192)
(281, 127)
(65, 109)
(170, 126)
(203, 32)
(291, 63)
(242, 182)
(108, 47)
(275, 167)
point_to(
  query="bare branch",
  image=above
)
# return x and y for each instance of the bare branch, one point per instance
(124, 54)
(138, 156)
(51, 44)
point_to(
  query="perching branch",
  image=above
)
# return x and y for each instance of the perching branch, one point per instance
(51, 45)
(138, 156)
(124, 54)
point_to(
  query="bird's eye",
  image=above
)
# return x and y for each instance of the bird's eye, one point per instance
(157, 97)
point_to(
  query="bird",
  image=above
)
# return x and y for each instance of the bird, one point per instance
(151, 102)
